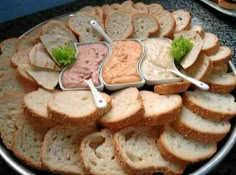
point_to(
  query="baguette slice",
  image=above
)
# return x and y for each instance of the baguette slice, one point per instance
(118, 25)
(210, 105)
(27, 141)
(97, 152)
(171, 88)
(221, 82)
(8, 48)
(137, 152)
(141, 7)
(154, 9)
(26, 42)
(167, 24)
(144, 25)
(222, 68)
(175, 148)
(182, 19)
(60, 150)
(20, 58)
(194, 127)
(128, 6)
(160, 109)
(76, 107)
(211, 43)
(117, 7)
(10, 108)
(5, 69)
(199, 29)
(127, 108)
(222, 56)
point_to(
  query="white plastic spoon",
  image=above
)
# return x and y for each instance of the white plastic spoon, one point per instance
(100, 102)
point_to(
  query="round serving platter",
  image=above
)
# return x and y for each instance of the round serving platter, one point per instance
(201, 168)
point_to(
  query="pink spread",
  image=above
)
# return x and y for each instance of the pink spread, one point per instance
(86, 66)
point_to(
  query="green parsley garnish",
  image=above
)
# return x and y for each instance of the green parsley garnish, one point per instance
(180, 47)
(64, 55)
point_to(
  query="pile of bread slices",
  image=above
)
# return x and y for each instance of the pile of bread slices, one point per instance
(140, 131)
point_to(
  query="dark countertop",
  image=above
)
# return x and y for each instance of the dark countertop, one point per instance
(213, 21)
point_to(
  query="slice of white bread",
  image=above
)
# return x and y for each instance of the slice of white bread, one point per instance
(39, 57)
(175, 148)
(221, 82)
(171, 88)
(167, 24)
(117, 7)
(88, 9)
(128, 6)
(127, 108)
(76, 107)
(198, 29)
(144, 25)
(160, 109)
(182, 19)
(222, 68)
(98, 154)
(10, 108)
(80, 25)
(194, 127)
(118, 25)
(27, 141)
(222, 56)
(141, 7)
(35, 105)
(58, 27)
(5, 69)
(20, 58)
(7, 49)
(154, 9)
(211, 43)
(99, 12)
(137, 152)
(210, 105)
(60, 150)
(26, 42)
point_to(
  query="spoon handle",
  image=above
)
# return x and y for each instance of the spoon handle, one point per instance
(100, 102)
(196, 82)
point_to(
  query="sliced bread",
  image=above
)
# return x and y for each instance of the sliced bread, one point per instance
(144, 25)
(154, 9)
(182, 19)
(118, 25)
(128, 6)
(8, 49)
(167, 24)
(221, 82)
(127, 108)
(211, 43)
(171, 88)
(117, 7)
(210, 105)
(175, 148)
(194, 127)
(76, 107)
(222, 56)
(160, 109)
(97, 151)
(10, 108)
(27, 141)
(80, 25)
(222, 68)
(5, 69)
(20, 58)
(137, 152)
(198, 29)
(26, 42)
(141, 7)
(60, 150)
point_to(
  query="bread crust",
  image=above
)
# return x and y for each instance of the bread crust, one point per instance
(179, 15)
(212, 49)
(223, 60)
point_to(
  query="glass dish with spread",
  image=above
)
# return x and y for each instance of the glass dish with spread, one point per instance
(120, 70)
(87, 64)
(154, 65)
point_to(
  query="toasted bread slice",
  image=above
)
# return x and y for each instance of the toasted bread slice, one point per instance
(182, 19)
(97, 152)
(127, 108)
(144, 25)
(222, 56)
(20, 58)
(10, 108)
(26, 42)
(118, 25)
(137, 151)
(154, 9)
(211, 43)
(175, 148)
(210, 105)
(194, 127)
(160, 109)
(76, 107)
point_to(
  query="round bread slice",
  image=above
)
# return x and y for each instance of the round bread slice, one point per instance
(137, 151)
(175, 148)
(198, 29)
(141, 7)
(7, 49)
(167, 24)
(160, 109)
(222, 56)
(145, 25)
(20, 58)
(26, 42)
(154, 9)
(118, 25)
(129, 7)
(195, 127)
(210, 105)
(211, 43)
(127, 108)
(76, 107)
(182, 19)
(97, 151)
